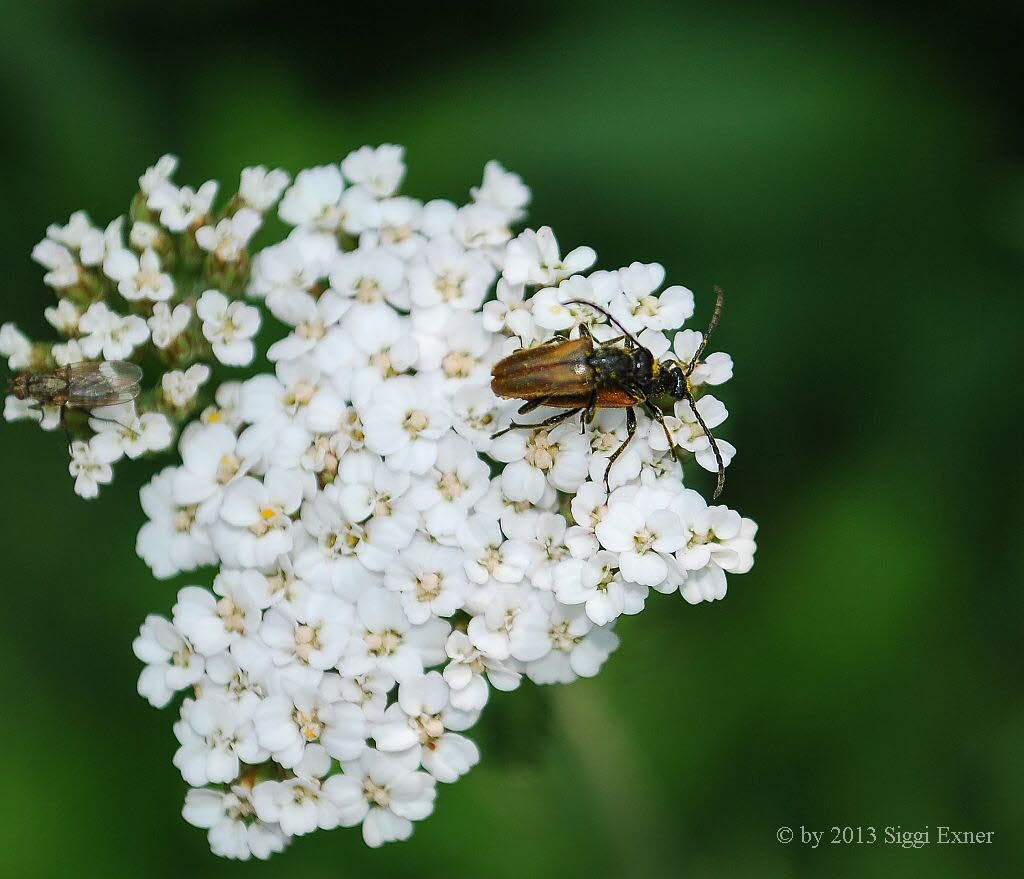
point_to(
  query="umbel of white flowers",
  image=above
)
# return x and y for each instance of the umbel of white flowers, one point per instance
(381, 562)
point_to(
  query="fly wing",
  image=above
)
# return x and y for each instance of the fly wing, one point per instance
(560, 368)
(107, 383)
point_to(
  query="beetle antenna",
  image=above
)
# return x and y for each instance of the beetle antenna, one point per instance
(692, 365)
(608, 315)
(714, 446)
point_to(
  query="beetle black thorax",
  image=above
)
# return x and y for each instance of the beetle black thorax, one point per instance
(613, 365)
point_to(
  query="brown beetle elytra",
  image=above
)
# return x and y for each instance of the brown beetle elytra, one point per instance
(580, 377)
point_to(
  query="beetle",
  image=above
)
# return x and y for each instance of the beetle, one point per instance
(85, 385)
(580, 376)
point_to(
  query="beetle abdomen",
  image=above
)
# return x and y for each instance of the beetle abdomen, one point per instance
(560, 368)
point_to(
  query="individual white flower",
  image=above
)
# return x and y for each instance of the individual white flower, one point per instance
(87, 466)
(518, 518)
(383, 792)
(422, 720)
(291, 270)
(482, 226)
(299, 396)
(230, 816)
(81, 235)
(557, 455)
(260, 188)
(465, 673)
(120, 432)
(489, 559)
(338, 556)
(553, 309)
(688, 434)
(307, 641)
(316, 331)
(159, 174)
(475, 415)
(172, 540)
(67, 353)
(312, 201)
(21, 410)
(404, 423)
(370, 274)
(719, 541)
(446, 273)
(714, 369)
(182, 207)
(369, 691)
(213, 625)
(511, 314)
(257, 524)
(214, 736)
(398, 228)
(229, 238)
(594, 583)
(228, 397)
(643, 528)
(139, 277)
(588, 508)
(503, 190)
(533, 258)
(166, 325)
(514, 624)
(429, 579)
(289, 723)
(377, 344)
(209, 466)
(384, 640)
(224, 677)
(170, 662)
(229, 326)
(639, 307)
(300, 804)
(15, 346)
(369, 492)
(108, 334)
(62, 270)
(549, 549)
(446, 492)
(453, 346)
(63, 318)
(180, 388)
(379, 169)
(577, 648)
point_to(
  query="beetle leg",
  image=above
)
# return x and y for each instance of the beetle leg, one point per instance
(585, 331)
(630, 430)
(548, 422)
(589, 411)
(64, 426)
(530, 405)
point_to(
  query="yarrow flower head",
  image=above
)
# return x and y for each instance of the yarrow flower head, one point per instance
(381, 560)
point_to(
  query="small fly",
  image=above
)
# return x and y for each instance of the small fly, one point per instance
(86, 385)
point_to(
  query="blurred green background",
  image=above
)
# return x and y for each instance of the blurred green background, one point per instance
(852, 177)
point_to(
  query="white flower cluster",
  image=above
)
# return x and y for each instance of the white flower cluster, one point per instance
(382, 561)
(169, 294)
